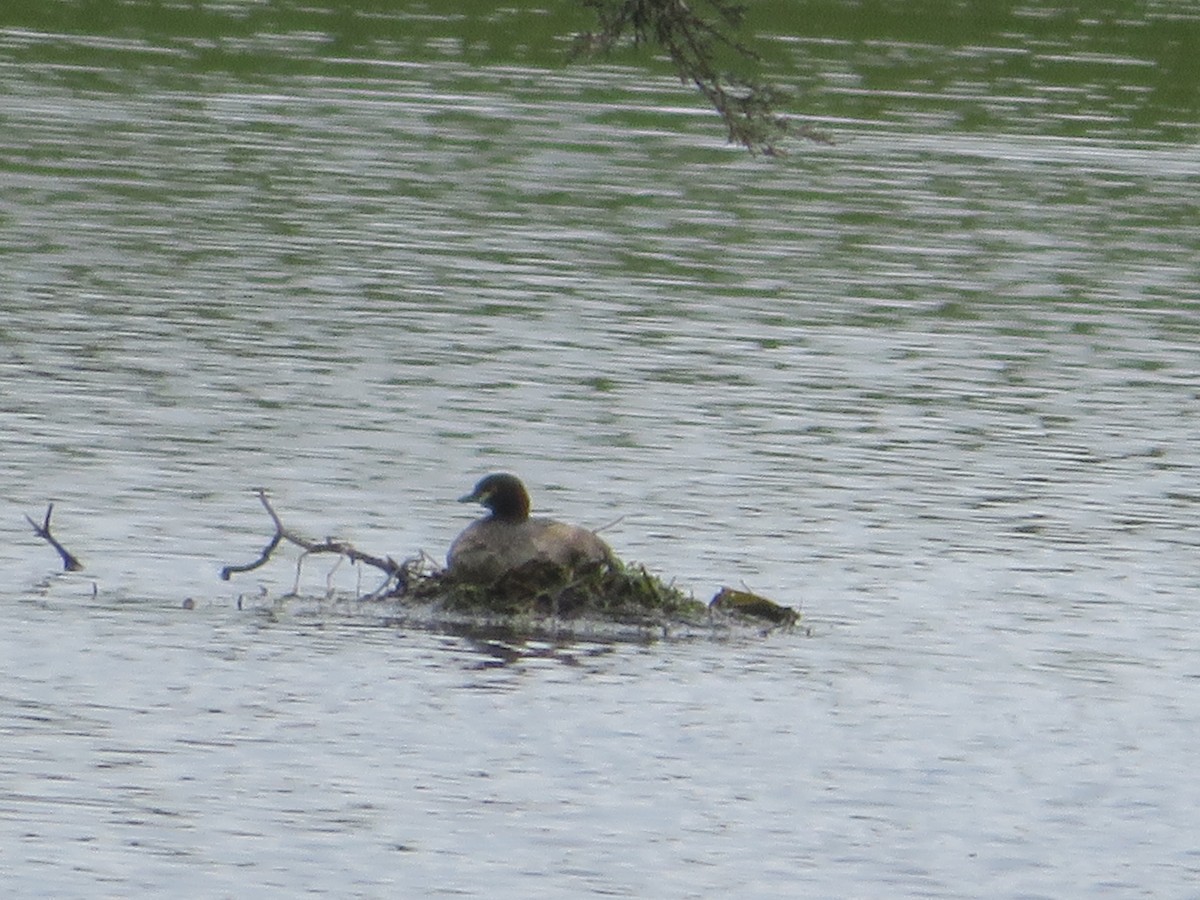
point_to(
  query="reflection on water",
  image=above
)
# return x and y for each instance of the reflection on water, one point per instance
(935, 385)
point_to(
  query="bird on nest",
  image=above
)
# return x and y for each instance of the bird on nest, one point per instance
(508, 538)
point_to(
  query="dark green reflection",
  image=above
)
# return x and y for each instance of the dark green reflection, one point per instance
(1042, 66)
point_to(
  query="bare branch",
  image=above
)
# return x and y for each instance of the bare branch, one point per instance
(70, 562)
(695, 40)
(397, 574)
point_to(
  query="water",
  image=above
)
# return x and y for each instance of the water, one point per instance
(935, 385)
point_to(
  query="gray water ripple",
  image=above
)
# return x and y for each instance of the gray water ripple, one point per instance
(935, 386)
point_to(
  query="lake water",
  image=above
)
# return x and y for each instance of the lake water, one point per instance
(937, 385)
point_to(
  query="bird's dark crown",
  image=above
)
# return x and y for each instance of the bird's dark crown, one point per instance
(504, 495)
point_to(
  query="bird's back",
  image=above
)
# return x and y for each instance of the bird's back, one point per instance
(490, 547)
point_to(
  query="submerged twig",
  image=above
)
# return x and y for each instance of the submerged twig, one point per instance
(397, 574)
(70, 562)
(610, 524)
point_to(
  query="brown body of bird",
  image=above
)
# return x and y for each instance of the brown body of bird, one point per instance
(508, 538)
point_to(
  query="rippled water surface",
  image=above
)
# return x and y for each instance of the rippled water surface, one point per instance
(937, 385)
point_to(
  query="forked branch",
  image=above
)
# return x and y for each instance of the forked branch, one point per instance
(698, 38)
(397, 574)
(70, 562)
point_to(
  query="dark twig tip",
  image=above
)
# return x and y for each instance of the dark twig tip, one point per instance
(70, 562)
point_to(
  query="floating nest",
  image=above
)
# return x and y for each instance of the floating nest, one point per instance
(611, 592)
(528, 596)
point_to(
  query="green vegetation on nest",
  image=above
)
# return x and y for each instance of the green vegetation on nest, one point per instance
(612, 592)
(745, 603)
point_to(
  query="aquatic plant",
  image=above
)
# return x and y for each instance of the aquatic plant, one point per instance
(612, 591)
(698, 39)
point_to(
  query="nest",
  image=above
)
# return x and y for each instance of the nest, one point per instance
(609, 592)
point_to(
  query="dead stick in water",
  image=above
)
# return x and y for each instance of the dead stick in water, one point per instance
(399, 572)
(70, 562)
